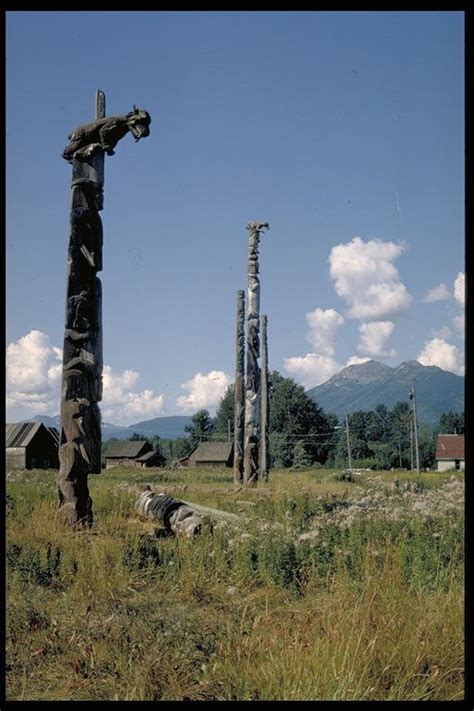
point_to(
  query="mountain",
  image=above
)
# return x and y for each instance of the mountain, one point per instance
(45, 419)
(366, 385)
(165, 427)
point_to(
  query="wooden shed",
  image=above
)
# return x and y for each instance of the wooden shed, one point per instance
(31, 445)
(212, 454)
(450, 452)
(150, 459)
(125, 453)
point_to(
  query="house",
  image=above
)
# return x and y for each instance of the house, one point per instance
(150, 459)
(31, 445)
(450, 452)
(125, 453)
(212, 454)
(183, 461)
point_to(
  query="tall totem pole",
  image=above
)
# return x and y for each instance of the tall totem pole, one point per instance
(81, 388)
(252, 410)
(264, 456)
(239, 389)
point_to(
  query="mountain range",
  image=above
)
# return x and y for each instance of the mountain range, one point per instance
(366, 385)
(357, 387)
(165, 427)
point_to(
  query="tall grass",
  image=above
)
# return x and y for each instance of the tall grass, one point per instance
(373, 610)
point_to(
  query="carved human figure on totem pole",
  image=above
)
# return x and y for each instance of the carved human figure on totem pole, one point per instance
(81, 389)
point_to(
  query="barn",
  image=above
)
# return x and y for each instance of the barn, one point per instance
(450, 452)
(212, 454)
(126, 453)
(150, 459)
(31, 445)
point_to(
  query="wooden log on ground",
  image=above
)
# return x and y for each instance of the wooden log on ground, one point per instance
(180, 517)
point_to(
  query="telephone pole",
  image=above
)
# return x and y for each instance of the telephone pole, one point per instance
(415, 426)
(348, 443)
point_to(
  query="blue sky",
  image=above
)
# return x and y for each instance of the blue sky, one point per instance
(343, 130)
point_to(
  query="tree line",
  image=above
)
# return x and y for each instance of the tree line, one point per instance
(301, 434)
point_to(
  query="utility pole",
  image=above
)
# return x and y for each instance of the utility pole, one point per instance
(415, 426)
(348, 443)
(411, 444)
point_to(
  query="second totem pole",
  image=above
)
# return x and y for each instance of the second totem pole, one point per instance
(252, 385)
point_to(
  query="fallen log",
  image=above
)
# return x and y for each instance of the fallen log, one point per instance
(171, 514)
(180, 517)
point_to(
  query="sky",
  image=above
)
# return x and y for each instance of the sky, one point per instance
(343, 130)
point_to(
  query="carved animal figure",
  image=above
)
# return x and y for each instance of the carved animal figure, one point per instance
(258, 226)
(104, 134)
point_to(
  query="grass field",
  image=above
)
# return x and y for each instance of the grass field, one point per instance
(328, 589)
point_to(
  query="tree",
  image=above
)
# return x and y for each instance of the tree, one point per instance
(378, 424)
(281, 450)
(426, 446)
(137, 437)
(201, 426)
(451, 423)
(182, 446)
(225, 412)
(294, 415)
(301, 458)
(401, 422)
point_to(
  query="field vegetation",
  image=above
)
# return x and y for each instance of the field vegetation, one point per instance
(328, 589)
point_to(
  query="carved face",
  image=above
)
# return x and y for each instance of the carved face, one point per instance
(138, 122)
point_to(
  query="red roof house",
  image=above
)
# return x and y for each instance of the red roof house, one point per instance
(450, 451)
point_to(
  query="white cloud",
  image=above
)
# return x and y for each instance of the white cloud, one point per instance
(459, 288)
(33, 382)
(355, 360)
(437, 293)
(374, 337)
(205, 390)
(442, 354)
(460, 324)
(311, 369)
(443, 332)
(366, 279)
(121, 404)
(323, 327)
(33, 373)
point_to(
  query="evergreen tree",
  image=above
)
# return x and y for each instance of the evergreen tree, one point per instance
(451, 423)
(225, 412)
(201, 426)
(137, 437)
(293, 414)
(301, 458)
(426, 446)
(401, 422)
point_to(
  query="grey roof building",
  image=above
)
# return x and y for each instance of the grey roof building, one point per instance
(31, 445)
(125, 453)
(212, 454)
(150, 459)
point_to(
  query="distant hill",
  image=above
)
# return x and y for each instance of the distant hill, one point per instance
(166, 427)
(366, 385)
